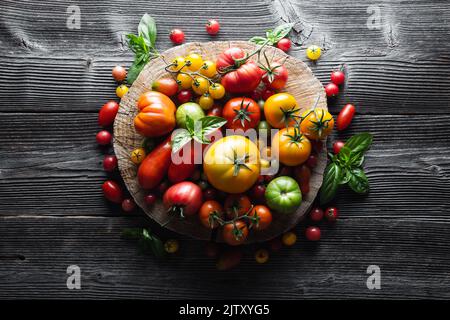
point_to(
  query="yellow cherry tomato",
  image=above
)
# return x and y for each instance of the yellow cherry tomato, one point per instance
(232, 164)
(200, 85)
(194, 62)
(313, 52)
(184, 81)
(206, 101)
(262, 256)
(265, 163)
(289, 239)
(217, 91)
(208, 69)
(121, 90)
(291, 147)
(178, 64)
(171, 246)
(316, 123)
(281, 110)
(138, 155)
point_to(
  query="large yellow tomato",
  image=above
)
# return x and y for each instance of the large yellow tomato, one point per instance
(316, 123)
(291, 147)
(232, 164)
(281, 110)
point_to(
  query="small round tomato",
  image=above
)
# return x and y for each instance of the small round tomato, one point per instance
(150, 199)
(267, 93)
(200, 85)
(283, 195)
(331, 90)
(194, 62)
(261, 217)
(119, 73)
(208, 69)
(128, 205)
(217, 91)
(312, 160)
(206, 101)
(121, 90)
(237, 205)
(235, 233)
(176, 36)
(167, 86)
(284, 44)
(291, 147)
(337, 146)
(212, 27)
(178, 64)
(209, 194)
(108, 113)
(337, 77)
(261, 256)
(313, 52)
(345, 117)
(276, 76)
(216, 111)
(316, 123)
(138, 155)
(313, 233)
(171, 246)
(110, 163)
(281, 110)
(316, 214)
(241, 113)
(257, 193)
(184, 96)
(209, 213)
(331, 214)
(191, 109)
(289, 238)
(112, 191)
(103, 138)
(184, 81)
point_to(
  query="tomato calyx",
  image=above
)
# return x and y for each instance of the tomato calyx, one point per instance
(270, 72)
(289, 114)
(242, 114)
(320, 124)
(239, 162)
(297, 137)
(176, 210)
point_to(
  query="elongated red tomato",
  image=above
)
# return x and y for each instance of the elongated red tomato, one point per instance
(182, 171)
(155, 165)
(112, 191)
(108, 113)
(345, 117)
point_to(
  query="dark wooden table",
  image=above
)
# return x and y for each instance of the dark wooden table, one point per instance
(52, 213)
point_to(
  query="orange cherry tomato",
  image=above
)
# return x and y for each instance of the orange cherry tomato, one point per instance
(263, 216)
(237, 205)
(167, 86)
(235, 233)
(208, 210)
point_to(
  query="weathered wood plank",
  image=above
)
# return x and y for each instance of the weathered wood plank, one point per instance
(412, 255)
(50, 164)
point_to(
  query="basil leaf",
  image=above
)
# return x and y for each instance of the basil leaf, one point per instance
(344, 154)
(359, 142)
(146, 241)
(147, 30)
(346, 175)
(358, 181)
(190, 125)
(257, 40)
(281, 31)
(356, 159)
(211, 124)
(180, 139)
(134, 70)
(331, 180)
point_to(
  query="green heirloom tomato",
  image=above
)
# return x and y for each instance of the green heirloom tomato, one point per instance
(193, 110)
(283, 195)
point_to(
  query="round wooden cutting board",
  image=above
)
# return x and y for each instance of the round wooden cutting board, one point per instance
(302, 84)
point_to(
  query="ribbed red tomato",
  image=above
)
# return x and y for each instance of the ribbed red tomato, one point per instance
(184, 198)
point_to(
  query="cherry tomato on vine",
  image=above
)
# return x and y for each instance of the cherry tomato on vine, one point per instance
(216, 111)
(212, 27)
(237, 205)
(112, 191)
(128, 205)
(337, 77)
(206, 101)
(316, 214)
(345, 117)
(110, 163)
(241, 113)
(208, 69)
(108, 113)
(184, 96)
(208, 211)
(184, 81)
(176, 36)
(103, 138)
(331, 89)
(194, 61)
(313, 233)
(263, 217)
(337, 146)
(200, 85)
(119, 73)
(331, 214)
(235, 233)
(178, 64)
(313, 52)
(284, 44)
(217, 91)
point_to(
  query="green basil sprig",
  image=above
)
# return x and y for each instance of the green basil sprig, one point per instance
(273, 36)
(346, 168)
(143, 46)
(198, 130)
(147, 242)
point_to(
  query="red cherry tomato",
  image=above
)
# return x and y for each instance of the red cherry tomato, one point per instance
(237, 205)
(241, 113)
(184, 96)
(302, 174)
(313, 234)
(345, 117)
(236, 233)
(331, 90)
(267, 93)
(103, 138)
(337, 77)
(331, 214)
(119, 73)
(284, 44)
(110, 163)
(216, 110)
(258, 193)
(184, 198)
(312, 160)
(263, 216)
(112, 191)
(208, 210)
(209, 194)
(128, 205)
(212, 27)
(177, 36)
(316, 214)
(108, 113)
(150, 199)
(337, 146)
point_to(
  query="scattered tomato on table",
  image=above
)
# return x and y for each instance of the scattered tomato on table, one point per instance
(212, 27)
(108, 113)
(313, 52)
(121, 90)
(119, 73)
(313, 233)
(110, 163)
(345, 117)
(112, 191)
(176, 36)
(103, 138)
(284, 44)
